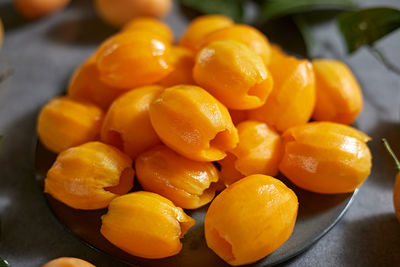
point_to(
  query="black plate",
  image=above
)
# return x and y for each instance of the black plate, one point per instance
(317, 215)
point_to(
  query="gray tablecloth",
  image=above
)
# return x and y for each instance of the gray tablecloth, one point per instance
(36, 61)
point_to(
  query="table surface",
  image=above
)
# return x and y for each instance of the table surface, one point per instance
(36, 61)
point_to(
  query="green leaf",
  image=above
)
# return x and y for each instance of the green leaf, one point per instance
(272, 9)
(306, 32)
(4, 263)
(231, 8)
(366, 26)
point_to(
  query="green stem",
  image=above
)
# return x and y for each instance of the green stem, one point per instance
(389, 149)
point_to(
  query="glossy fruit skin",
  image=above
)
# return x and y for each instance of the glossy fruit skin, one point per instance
(146, 225)
(200, 27)
(33, 9)
(259, 151)
(292, 99)
(193, 123)
(119, 12)
(131, 59)
(65, 123)
(89, 176)
(245, 34)
(127, 123)
(68, 262)
(85, 85)
(277, 54)
(234, 74)
(339, 97)
(326, 157)
(250, 219)
(152, 25)
(182, 62)
(185, 182)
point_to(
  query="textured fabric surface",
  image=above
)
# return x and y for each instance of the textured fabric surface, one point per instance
(40, 57)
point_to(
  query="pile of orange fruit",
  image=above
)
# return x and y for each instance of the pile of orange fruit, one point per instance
(222, 110)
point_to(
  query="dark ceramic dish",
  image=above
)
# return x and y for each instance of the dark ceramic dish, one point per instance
(317, 215)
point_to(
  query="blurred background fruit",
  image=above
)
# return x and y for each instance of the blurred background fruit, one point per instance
(119, 12)
(33, 9)
(66, 261)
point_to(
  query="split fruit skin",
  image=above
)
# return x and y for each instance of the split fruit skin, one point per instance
(326, 157)
(89, 176)
(259, 151)
(127, 123)
(152, 25)
(250, 219)
(249, 36)
(200, 27)
(146, 225)
(234, 74)
(85, 86)
(339, 97)
(133, 58)
(68, 262)
(65, 123)
(193, 123)
(292, 99)
(187, 183)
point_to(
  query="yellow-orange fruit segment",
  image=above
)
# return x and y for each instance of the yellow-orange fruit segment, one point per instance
(131, 59)
(152, 25)
(193, 123)
(276, 54)
(68, 262)
(182, 61)
(64, 123)
(89, 176)
(258, 152)
(146, 225)
(234, 74)
(228, 173)
(127, 123)
(250, 219)
(200, 28)
(339, 97)
(245, 34)
(326, 157)
(85, 85)
(187, 183)
(292, 99)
